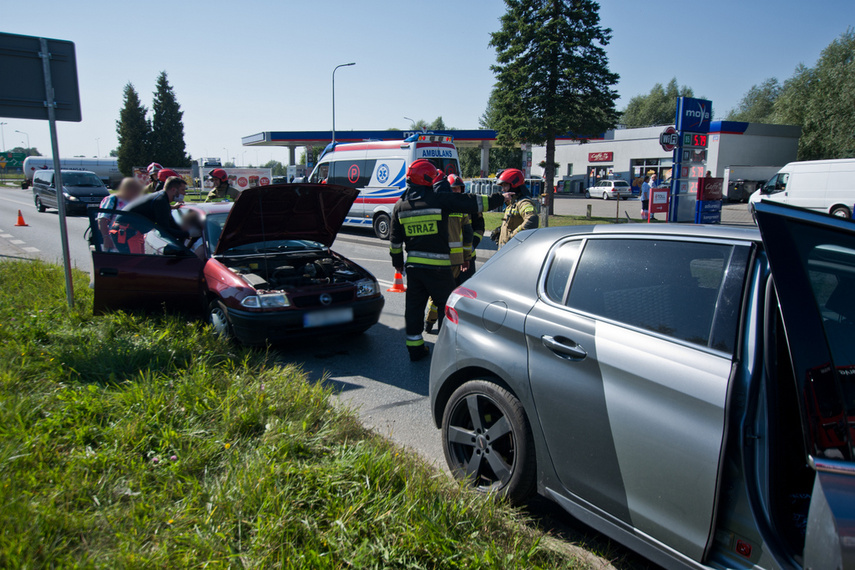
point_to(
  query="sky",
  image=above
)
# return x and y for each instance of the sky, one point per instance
(239, 68)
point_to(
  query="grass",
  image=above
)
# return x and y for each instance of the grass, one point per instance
(130, 442)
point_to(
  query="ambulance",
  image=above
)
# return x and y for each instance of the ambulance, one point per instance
(378, 169)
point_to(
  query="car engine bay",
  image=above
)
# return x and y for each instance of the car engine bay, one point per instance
(292, 271)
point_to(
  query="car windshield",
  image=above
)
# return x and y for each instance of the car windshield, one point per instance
(214, 225)
(80, 179)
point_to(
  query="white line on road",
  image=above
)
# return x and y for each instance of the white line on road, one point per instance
(31, 249)
(7, 236)
(16, 241)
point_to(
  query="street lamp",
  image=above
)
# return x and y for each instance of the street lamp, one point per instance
(412, 123)
(333, 95)
(2, 137)
(28, 138)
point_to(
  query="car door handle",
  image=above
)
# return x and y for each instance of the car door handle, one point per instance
(564, 347)
(108, 272)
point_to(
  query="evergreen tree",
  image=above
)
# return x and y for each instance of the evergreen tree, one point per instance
(134, 132)
(167, 138)
(659, 107)
(552, 74)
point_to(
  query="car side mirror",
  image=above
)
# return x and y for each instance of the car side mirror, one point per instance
(170, 250)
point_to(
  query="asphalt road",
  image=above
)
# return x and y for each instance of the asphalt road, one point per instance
(370, 373)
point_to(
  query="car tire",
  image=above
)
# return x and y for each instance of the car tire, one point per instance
(218, 318)
(606, 196)
(382, 226)
(587, 194)
(39, 206)
(487, 440)
(841, 212)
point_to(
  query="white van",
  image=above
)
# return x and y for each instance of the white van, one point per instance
(822, 185)
(379, 170)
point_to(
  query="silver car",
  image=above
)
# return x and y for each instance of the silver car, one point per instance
(608, 189)
(687, 390)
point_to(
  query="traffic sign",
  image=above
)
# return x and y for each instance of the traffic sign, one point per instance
(12, 159)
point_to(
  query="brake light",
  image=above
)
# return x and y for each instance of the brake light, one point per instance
(456, 295)
(451, 315)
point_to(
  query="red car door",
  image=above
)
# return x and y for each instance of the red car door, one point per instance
(157, 278)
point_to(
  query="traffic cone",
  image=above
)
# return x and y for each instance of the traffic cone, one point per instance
(20, 221)
(398, 285)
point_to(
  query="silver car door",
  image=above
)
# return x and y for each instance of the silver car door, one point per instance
(629, 393)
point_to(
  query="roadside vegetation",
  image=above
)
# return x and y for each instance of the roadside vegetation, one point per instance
(130, 441)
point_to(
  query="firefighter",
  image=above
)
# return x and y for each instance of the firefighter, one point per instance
(221, 190)
(153, 182)
(477, 223)
(420, 221)
(459, 243)
(521, 213)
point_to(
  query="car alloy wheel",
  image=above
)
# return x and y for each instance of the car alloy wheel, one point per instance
(487, 440)
(605, 195)
(382, 226)
(218, 318)
(587, 194)
(39, 206)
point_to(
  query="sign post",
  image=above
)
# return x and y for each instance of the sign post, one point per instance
(38, 80)
(690, 155)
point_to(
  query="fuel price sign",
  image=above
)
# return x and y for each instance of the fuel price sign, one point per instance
(695, 140)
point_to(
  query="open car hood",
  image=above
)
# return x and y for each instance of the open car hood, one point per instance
(287, 211)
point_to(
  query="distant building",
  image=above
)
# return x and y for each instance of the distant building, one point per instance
(630, 153)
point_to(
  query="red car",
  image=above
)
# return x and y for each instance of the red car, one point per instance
(265, 271)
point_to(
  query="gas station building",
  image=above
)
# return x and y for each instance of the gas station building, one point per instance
(618, 153)
(630, 153)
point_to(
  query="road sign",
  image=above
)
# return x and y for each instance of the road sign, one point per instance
(669, 139)
(22, 78)
(12, 159)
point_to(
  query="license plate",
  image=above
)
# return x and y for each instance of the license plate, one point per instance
(95, 205)
(328, 318)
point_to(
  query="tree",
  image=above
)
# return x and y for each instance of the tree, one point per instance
(758, 104)
(134, 132)
(822, 101)
(659, 107)
(552, 74)
(276, 167)
(27, 151)
(114, 153)
(437, 125)
(167, 137)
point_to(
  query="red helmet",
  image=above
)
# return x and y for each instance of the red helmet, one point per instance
(219, 173)
(166, 173)
(512, 176)
(454, 180)
(422, 172)
(153, 168)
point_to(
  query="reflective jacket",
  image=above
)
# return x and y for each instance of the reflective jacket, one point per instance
(477, 232)
(459, 237)
(420, 221)
(152, 187)
(221, 193)
(520, 215)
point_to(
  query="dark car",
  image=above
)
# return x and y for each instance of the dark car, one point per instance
(81, 190)
(266, 272)
(686, 390)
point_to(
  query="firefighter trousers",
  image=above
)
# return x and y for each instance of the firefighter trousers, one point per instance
(424, 283)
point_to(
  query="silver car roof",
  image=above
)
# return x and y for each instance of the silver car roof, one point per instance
(670, 230)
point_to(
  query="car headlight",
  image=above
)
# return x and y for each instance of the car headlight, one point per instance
(266, 301)
(366, 288)
(70, 197)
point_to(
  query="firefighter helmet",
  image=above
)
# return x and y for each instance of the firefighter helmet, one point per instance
(166, 173)
(219, 174)
(153, 169)
(455, 181)
(422, 172)
(512, 176)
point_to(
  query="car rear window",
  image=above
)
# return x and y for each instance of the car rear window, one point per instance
(668, 287)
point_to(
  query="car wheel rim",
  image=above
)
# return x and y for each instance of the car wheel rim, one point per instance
(481, 443)
(219, 322)
(382, 226)
(840, 213)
